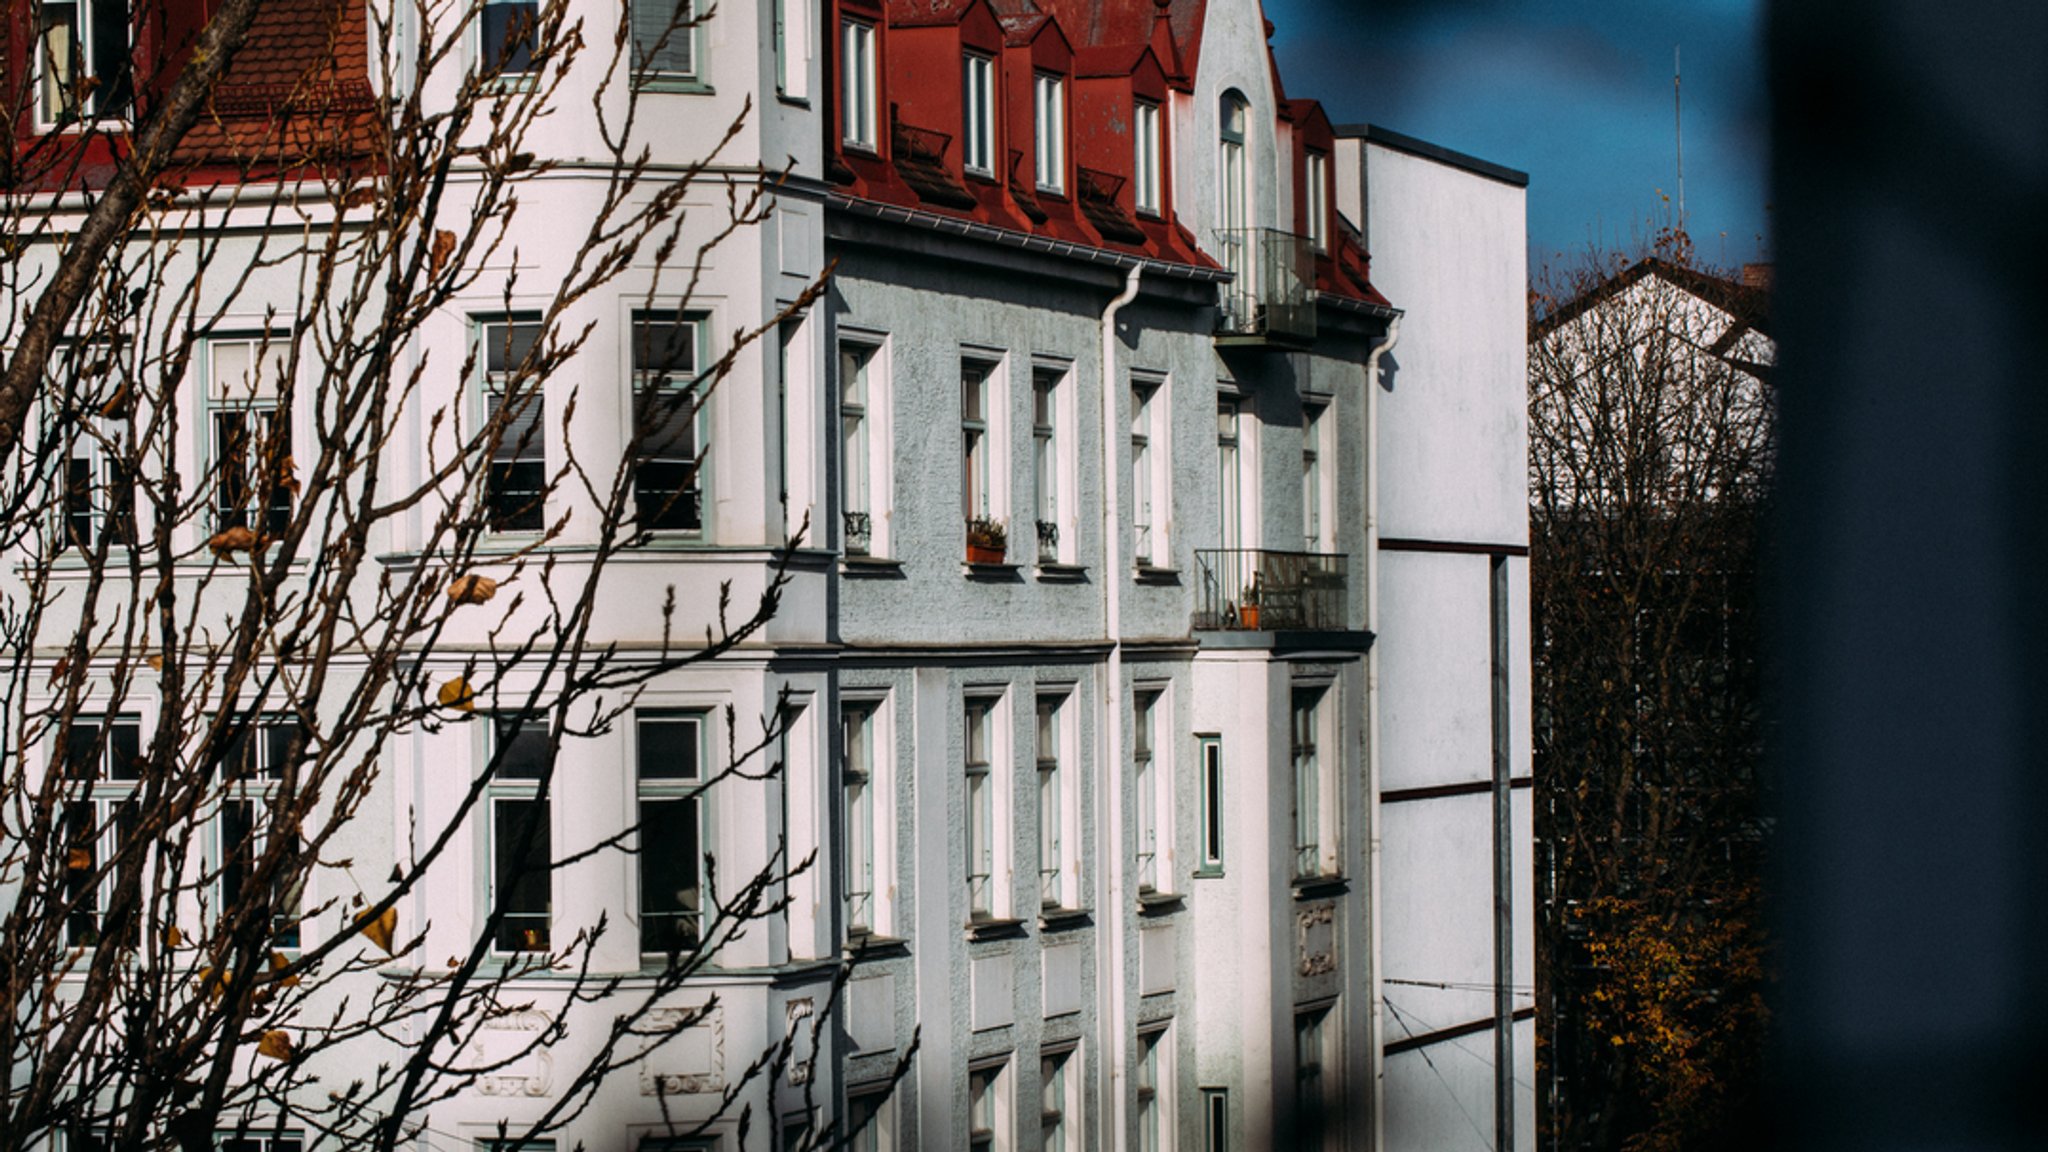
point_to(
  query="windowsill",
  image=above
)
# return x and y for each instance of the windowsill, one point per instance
(871, 567)
(993, 573)
(1055, 193)
(1065, 919)
(1062, 574)
(874, 946)
(793, 101)
(1159, 903)
(1150, 574)
(685, 85)
(509, 82)
(865, 148)
(996, 928)
(1311, 887)
(979, 175)
(1210, 872)
(1151, 214)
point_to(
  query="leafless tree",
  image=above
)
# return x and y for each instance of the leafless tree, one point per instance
(208, 657)
(1651, 447)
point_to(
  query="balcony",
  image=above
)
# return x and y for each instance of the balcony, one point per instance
(1251, 589)
(1272, 300)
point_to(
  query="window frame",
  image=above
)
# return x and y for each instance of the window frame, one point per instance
(1059, 796)
(91, 22)
(977, 114)
(877, 802)
(1317, 801)
(984, 467)
(504, 48)
(1316, 1120)
(1059, 1065)
(687, 789)
(874, 1129)
(1151, 787)
(865, 474)
(1152, 1089)
(987, 1084)
(1049, 118)
(106, 797)
(1230, 512)
(680, 33)
(255, 392)
(858, 94)
(252, 792)
(984, 771)
(521, 450)
(1215, 1120)
(517, 788)
(1316, 176)
(1148, 167)
(1150, 546)
(1209, 756)
(1053, 520)
(682, 400)
(1315, 478)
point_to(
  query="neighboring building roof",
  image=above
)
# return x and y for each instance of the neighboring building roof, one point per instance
(1747, 305)
(1400, 142)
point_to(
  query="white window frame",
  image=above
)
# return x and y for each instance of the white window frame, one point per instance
(88, 849)
(865, 461)
(1318, 1075)
(504, 789)
(1209, 762)
(1313, 751)
(985, 775)
(1151, 490)
(666, 381)
(55, 88)
(857, 92)
(1052, 463)
(1057, 748)
(1146, 172)
(1049, 103)
(870, 1118)
(988, 1106)
(977, 113)
(867, 749)
(483, 37)
(269, 741)
(1152, 787)
(1061, 1117)
(984, 434)
(246, 376)
(1230, 472)
(524, 445)
(684, 787)
(666, 40)
(792, 50)
(95, 498)
(1215, 1120)
(1152, 1089)
(1316, 495)
(1318, 200)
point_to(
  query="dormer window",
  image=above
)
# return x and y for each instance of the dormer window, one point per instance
(978, 113)
(1318, 201)
(82, 60)
(1145, 169)
(1051, 101)
(857, 84)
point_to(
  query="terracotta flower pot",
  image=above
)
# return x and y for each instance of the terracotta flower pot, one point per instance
(983, 554)
(1248, 616)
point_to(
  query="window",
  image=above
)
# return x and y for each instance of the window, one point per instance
(1050, 100)
(864, 753)
(1145, 135)
(985, 1129)
(1046, 402)
(260, 1142)
(251, 436)
(1312, 480)
(1215, 1120)
(870, 1119)
(857, 84)
(978, 126)
(1212, 805)
(521, 838)
(666, 458)
(857, 463)
(253, 763)
(1058, 875)
(82, 60)
(982, 893)
(669, 754)
(1315, 799)
(1154, 1116)
(664, 37)
(103, 762)
(1059, 1100)
(1228, 478)
(1318, 201)
(1148, 531)
(1315, 1074)
(515, 485)
(99, 490)
(511, 32)
(1146, 776)
(793, 49)
(981, 432)
(1231, 199)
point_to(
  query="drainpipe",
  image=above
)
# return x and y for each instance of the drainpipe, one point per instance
(1376, 1028)
(1109, 876)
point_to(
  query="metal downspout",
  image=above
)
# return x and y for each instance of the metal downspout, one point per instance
(1376, 1028)
(1109, 982)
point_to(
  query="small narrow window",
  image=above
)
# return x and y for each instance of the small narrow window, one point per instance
(858, 779)
(1059, 1100)
(857, 84)
(978, 126)
(1313, 1079)
(1212, 805)
(1145, 778)
(869, 1118)
(1145, 137)
(856, 451)
(1050, 99)
(1312, 496)
(1053, 801)
(511, 32)
(83, 60)
(1153, 1089)
(981, 820)
(252, 436)
(667, 415)
(1045, 459)
(671, 776)
(102, 761)
(1318, 202)
(521, 836)
(1215, 1120)
(515, 485)
(1230, 484)
(1148, 546)
(984, 1110)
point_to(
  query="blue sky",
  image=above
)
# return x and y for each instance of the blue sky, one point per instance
(1577, 94)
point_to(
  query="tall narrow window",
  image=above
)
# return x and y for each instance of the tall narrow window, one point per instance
(1152, 1083)
(253, 764)
(981, 815)
(664, 37)
(515, 486)
(1308, 783)
(1145, 775)
(869, 1116)
(793, 49)
(1215, 1120)
(984, 1110)
(1229, 482)
(511, 32)
(858, 770)
(1145, 137)
(1052, 805)
(1050, 99)
(1231, 194)
(670, 751)
(667, 460)
(102, 761)
(1059, 1100)
(82, 60)
(1212, 805)
(1146, 547)
(1045, 460)
(1312, 480)
(857, 84)
(521, 836)
(855, 448)
(252, 437)
(1313, 1078)
(978, 126)
(978, 443)
(1318, 201)
(98, 499)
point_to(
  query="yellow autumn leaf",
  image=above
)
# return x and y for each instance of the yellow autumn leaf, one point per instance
(382, 930)
(456, 694)
(275, 1044)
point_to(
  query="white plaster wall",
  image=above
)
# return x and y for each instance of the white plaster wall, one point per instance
(1436, 721)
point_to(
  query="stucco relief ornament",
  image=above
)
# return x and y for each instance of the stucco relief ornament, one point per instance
(1316, 939)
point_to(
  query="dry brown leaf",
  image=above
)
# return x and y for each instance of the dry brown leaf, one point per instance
(287, 476)
(472, 589)
(444, 247)
(231, 540)
(381, 930)
(457, 694)
(155, 660)
(172, 937)
(275, 1044)
(278, 963)
(79, 860)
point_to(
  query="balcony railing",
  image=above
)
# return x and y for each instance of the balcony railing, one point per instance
(1272, 300)
(1256, 590)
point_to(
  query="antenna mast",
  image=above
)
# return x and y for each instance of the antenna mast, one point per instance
(1678, 113)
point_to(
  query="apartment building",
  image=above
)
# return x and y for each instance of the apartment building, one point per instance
(1149, 661)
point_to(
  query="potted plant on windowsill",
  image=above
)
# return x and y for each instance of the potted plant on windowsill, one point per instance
(1248, 606)
(988, 541)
